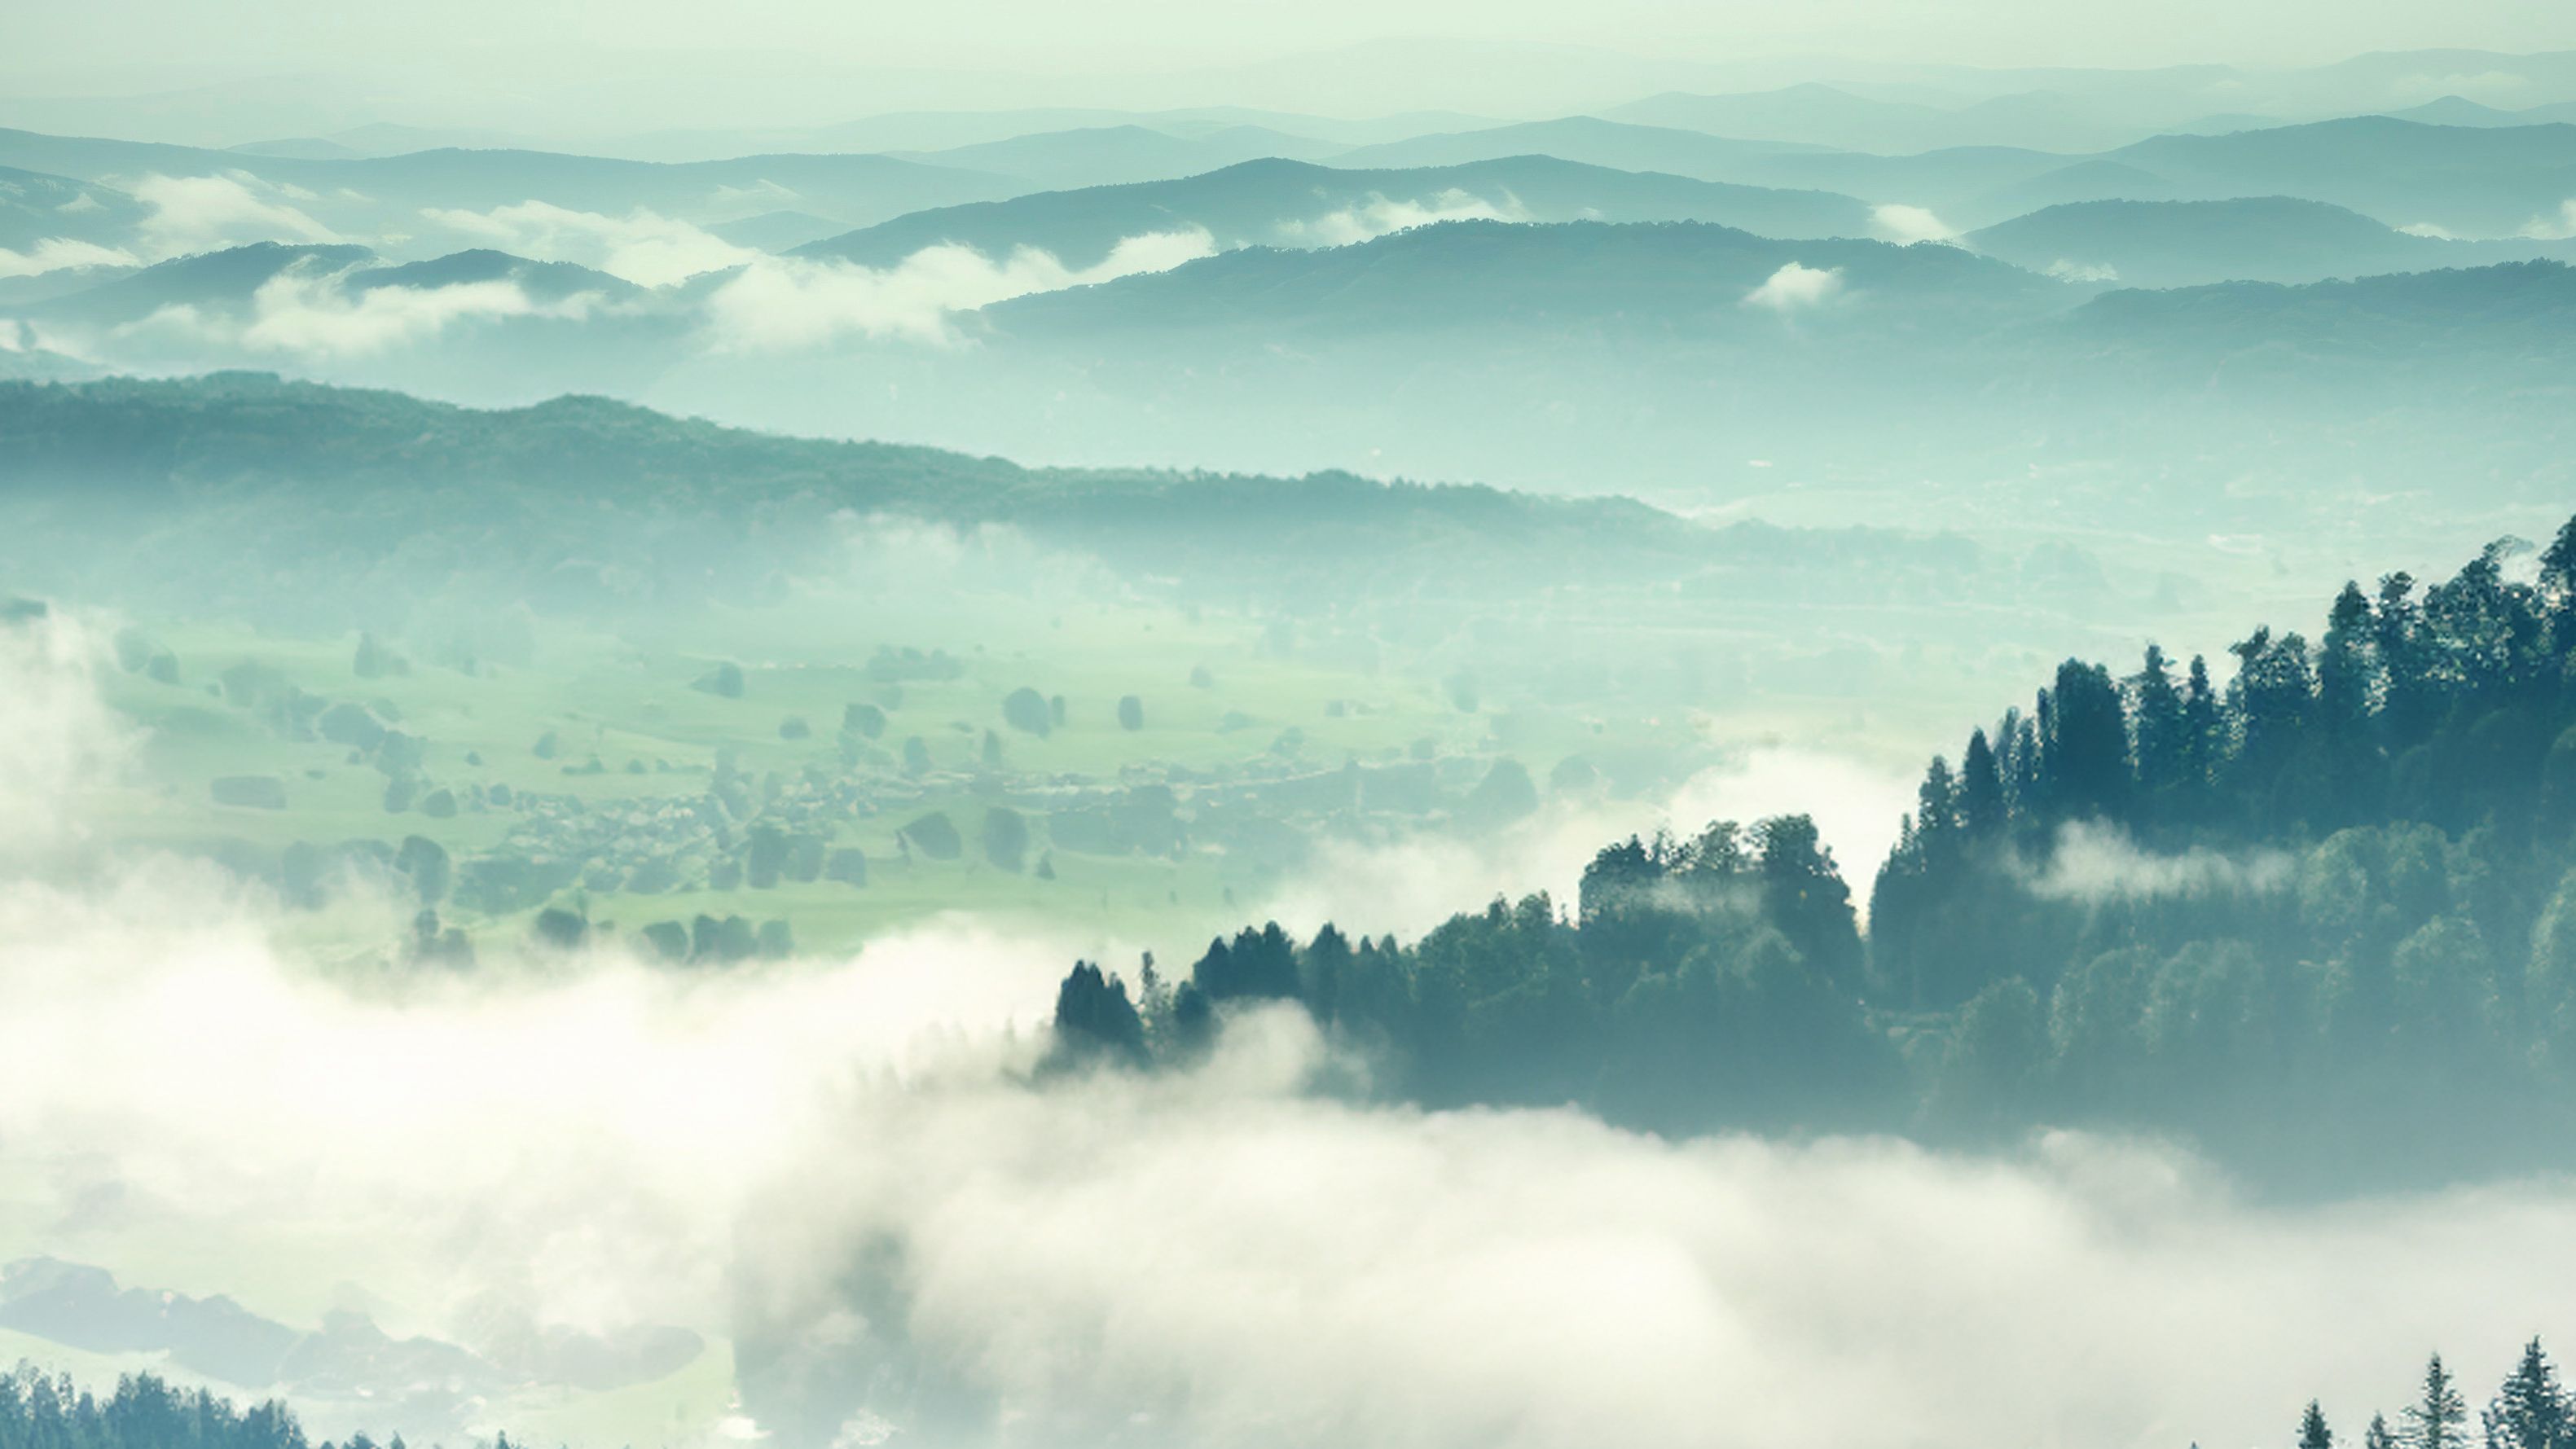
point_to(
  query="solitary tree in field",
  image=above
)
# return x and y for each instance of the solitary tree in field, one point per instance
(2440, 1420)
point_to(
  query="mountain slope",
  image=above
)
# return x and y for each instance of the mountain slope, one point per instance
(36, 208)
(1586, 139)
(586, 503)
(1290, 203)
(2191, 243)
(1683, 276)
(1115, 155)
(376, 195)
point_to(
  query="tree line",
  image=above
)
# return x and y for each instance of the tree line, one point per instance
(42, 1411)
(2530, 1410)
(2320, 910)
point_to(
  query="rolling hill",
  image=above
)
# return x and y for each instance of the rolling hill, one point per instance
(1115, 155)
(2261, 239)
(1293, 204)
(1587, 139)
(375, 196)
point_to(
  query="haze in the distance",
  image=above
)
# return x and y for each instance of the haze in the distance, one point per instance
(240, 73)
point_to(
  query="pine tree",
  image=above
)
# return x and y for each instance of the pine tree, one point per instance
(2345, 685)
(2440, 1419)
(2204, 740)
(2378, 1435)
(2087, 743)
(2407, 698)
(2558, 586)
(2313, 1433)
(2155, 722)
(1981, 790)
(1937, 813)
(2531, 1410)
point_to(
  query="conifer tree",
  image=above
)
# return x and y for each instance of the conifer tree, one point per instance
(1981, 790)
(2530, 1411)
(2313, 1433)
(2438, 1420)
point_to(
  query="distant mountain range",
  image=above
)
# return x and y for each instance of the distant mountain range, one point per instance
(213, 282)
(1679, 277)
(1114, 155)
(1293, 204)
(2262, 239)
(585, 504)
(366, 197)
(2474, 181)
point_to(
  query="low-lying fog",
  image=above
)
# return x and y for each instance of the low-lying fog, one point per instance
(846, 1169)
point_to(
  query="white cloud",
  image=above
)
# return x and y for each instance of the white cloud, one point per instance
(2068, 271)
(55, 254)
(204, 213)
(2428, 229)
(787, 302)
(642, 246)
(1410, 885)
(1796, 287)
(1219, 1261)
(63, 742)
(1906, 225)
(2100, 862)
(315, 314)
(763, 195)
(2554, 228)
(844, 1163)
(1379, 216)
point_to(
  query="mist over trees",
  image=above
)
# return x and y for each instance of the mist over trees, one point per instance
(2320, 919)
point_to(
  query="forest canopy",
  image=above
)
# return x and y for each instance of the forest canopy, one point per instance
(2321, 919)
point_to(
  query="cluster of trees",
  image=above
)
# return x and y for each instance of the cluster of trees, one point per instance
(1716, 972)
(2530, 1410)
(2324, 907)
(2325, 902)
(38, 1411)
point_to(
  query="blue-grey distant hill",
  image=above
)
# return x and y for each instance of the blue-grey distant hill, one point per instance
(2470, 180)
(2259, 239)
(1114, 155)
(1685, 276)
(1294, 204)
(1588, 139)
(35, 208)
(368, 196)
(214, 281)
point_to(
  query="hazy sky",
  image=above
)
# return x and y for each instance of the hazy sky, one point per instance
(106, 46)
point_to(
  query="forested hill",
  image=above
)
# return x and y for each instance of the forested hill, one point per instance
(2320, 917)
(582, 501)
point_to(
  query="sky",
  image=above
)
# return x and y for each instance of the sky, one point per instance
(806, 61)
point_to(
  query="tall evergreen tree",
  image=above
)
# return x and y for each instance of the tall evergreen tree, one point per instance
(2204, 726)
(2408, 704)
(2313, 1433)
(2346, 686)
(2439, 1418)
(1981, 790)
(2088, 744)
(2156, 722)
(2531, 1410)
(1936, 817)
